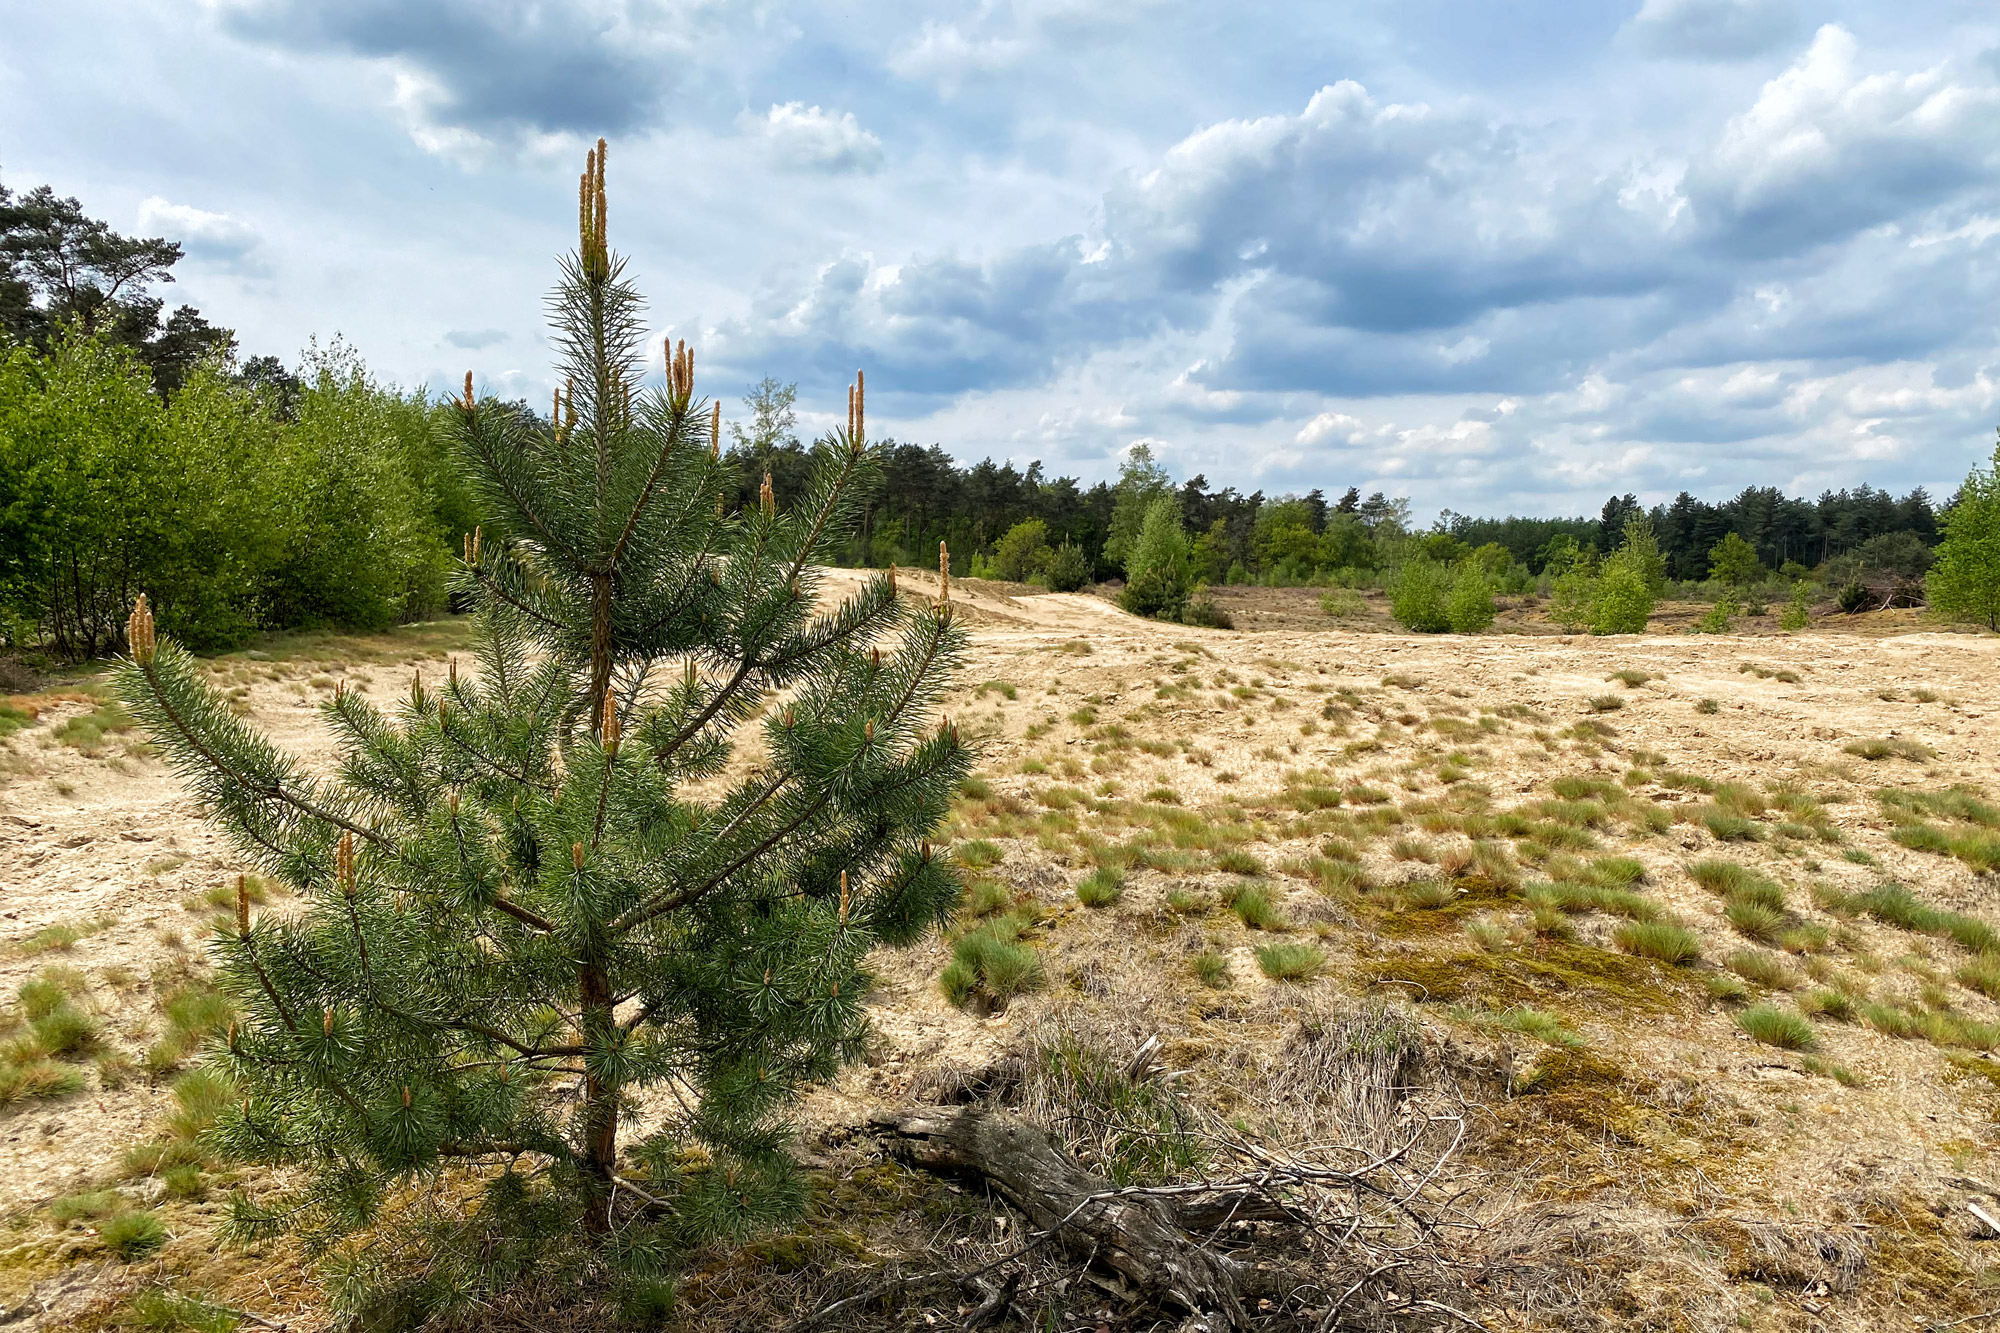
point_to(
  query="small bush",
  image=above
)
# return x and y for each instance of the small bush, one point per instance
(1708, 706)
(1211, 969)
(1420, 596)
(1630, 678)
(1658, 939)
(1777, 1027)
(1720, 618)
(1285, 961)
(1606, 703)
(1731, 828)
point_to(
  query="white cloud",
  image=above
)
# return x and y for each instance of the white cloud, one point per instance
(1329, 425)
(215, 239)
(807, 138)
(944, 55)
(1829, 150)
(1712, 29)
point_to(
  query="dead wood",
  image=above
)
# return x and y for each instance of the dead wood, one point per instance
(1135, 1234)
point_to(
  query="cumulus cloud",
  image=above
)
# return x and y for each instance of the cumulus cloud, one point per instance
(809, 139)
(1828, 150)
(214, 239)
(473, 73)
(1712, 29)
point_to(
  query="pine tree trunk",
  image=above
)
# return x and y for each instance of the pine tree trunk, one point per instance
(600, 1104)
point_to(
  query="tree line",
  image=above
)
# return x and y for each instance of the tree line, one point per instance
(137, 450)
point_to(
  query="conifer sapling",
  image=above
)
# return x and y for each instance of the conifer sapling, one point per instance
(555, 934)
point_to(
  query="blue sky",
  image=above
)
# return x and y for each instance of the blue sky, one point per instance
(1491, 256)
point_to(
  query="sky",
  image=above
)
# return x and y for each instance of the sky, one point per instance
(1498, 256)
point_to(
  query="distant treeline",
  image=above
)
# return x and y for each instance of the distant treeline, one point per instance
(1257, 537)
(138, 453)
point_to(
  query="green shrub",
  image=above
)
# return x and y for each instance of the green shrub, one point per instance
(1719, 619)
(1798, 612)
(1777, 1027)
(1658, 939)
(1159, 575)
(1284, 960)
(1420, 596)
(1964, 584)
(1067, 569)
(1342, 604)
(1470, 607)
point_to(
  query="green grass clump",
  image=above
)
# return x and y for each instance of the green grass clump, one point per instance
(86, 1207)
(1536, 1023)
(1708, 707)
(1658, 939)
(1830, 1002)
(1727, 827)
(1567, 896)
(979, 853)
(1211, 969)
(1253, 907)
(992, 963)
(1236, 861)
(1722, 986)
(87, 732)
(1606, 703)
(1953, 803)
(1630, 678)
(1283, 960)
(1616, 872)
(1764, 969)
(171, 1312)
(133, 1235)
(1983, 975)
(1755, 920)
(1895, 905)
(1777, 1027)
(1102, 887)
(37, 1080)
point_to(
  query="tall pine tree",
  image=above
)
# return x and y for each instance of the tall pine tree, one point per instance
(556, 937)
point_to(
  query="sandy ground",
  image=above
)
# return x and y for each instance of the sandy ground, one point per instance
(1231, 721)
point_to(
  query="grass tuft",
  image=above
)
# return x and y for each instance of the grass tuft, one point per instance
(1777, 1027)
(1283, 960)
(1658, 939)
(1102, 887)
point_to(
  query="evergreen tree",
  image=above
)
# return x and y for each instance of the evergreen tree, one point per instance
(551, 940)
(1964, 584)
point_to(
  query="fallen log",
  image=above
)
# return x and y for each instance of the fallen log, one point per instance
(1135, 1235)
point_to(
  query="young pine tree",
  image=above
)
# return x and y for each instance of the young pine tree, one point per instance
(554, 942)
